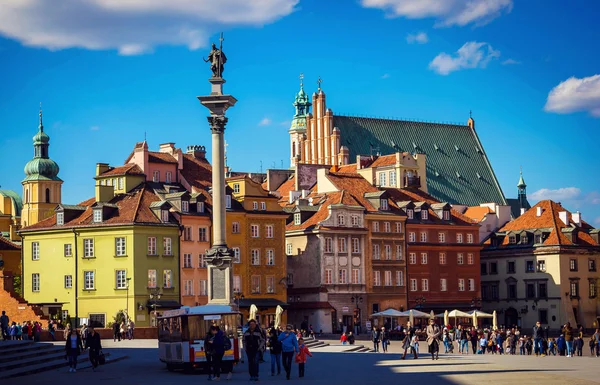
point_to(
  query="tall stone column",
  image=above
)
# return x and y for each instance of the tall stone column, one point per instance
(219, 257)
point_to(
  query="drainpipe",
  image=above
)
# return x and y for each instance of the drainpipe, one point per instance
(76, 283)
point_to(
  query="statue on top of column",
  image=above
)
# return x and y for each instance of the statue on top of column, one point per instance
(217, 59)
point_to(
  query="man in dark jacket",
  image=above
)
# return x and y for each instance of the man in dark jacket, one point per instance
(538, 335)
(253, 341)
(214, 345)
(92, 342)
(275, 350)
(116, 331)
(4, 322)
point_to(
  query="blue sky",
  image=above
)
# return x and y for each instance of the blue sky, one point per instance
(109, 73)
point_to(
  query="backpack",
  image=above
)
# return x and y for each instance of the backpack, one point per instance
(226, 343)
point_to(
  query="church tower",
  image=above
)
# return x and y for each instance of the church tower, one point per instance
(298, 128)
(522, 198)
(41, 186)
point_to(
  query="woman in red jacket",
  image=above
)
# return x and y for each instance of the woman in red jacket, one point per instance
(301, 356)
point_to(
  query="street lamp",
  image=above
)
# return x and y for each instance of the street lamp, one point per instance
(237, 297)
(127, 298)
(476, 303)
(155, 295)
(420, 302)
(356, 299)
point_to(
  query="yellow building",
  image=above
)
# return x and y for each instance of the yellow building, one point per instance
(41, 186)
(10, 214)
(256, 233)
(105, 255)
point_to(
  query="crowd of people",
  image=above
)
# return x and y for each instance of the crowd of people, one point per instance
(123, 330)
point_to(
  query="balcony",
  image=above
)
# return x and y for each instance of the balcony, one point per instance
(412, 181)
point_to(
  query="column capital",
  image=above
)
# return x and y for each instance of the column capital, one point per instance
(217, 123)
(220, 257)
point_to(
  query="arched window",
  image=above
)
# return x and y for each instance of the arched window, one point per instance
(47, 195)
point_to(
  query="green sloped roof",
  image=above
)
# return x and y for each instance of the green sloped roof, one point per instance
(16, 199)
(458, 170)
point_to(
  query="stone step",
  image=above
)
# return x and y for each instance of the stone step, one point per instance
(55, 355)
(11, 347)
(34, 350)
(82, 364)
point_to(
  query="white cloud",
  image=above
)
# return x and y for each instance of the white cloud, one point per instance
(447, 12)
(385, 76)
(564, 193)
(471, 55)
(574, 95)
(265, 121)
(95, 128)
(130, 26)
(419, 38)
(510, 62)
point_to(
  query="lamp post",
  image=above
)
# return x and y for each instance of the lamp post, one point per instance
(356, 299)
(420, 302)
(155, 295)
(127, 298)
(237, 297)
(476, 303)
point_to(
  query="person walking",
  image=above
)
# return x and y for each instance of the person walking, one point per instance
(214, 345)
(301, 357)
(376, 336)
(433, 335)
(351, 338)
(596, 338)
(4, 323)
(94, 346)
(130, 328)
(474, 337)
(275, 350)
(73, 348)
(568, 333)
(464, 340)
(253, 340)
(538, 335)
(289, 346)
(343, 338)
(385, 339)
(51, 330)
(409, 333)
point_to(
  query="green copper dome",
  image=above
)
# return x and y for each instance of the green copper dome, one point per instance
(41, 167)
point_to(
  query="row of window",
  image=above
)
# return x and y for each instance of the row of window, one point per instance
(387, 227)
(443, 284)
(387, 278)
(255, 258)
(388, 252)
(202, 234)
(342, 278)
(156, 176)
(188, 288)
(120, 248)
(443, 260)
(534, 290)
(531, 266)
(423, 237)
(89, 280)
(255, 284)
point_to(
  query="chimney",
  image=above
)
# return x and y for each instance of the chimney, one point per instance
(523, 210)
(538, 211)
(101, 168)
(104, 193)
(168, 148)
(564, 216)
(198, 152)
(576, 217)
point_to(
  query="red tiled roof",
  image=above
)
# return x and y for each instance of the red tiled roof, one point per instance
(319, 216)
(198, 173)
(160, 157)
(6, 244)
(385, 160)
(349, 168)
(354, 187)
(128, 169)
(477, 213)
(133, 207)
(549, 218)
(285, 189)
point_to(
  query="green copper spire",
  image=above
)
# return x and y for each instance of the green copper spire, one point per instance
(41, 167)
(302, 106)
(521, 184)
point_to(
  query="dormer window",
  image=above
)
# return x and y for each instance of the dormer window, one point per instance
(227, 201)
(60, 219)
(97, 215)
(164, 215)
(538, 238)
(121, 183)
(512, 239)
(254, 205)
(446, 215)
(297, 219)
(424, 215)
(156, 176)
(383, 204)
(200, 207)
(341, 220)
(185, 206)
(524, 239)
(236, 188)
(410, 213)
(382, 181)
(263, 206)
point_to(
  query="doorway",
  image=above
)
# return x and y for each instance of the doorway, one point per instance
(348, 323)
(511, 317)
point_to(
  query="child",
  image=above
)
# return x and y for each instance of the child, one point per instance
(301, 356)
(415, 346)
(343, 339)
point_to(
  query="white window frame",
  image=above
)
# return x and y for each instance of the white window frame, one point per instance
(341, 219)
(237, 255)
(97, 215)
(227, 201)
(382, 178)
(399, 227)
(270, 257)
(152, 280)
(68, 250)
(200, 207)
(152, 249)
(383, 204)
(60, 218)
(328, 277)
(412, 236)
(356, 276)
(459, 238)
(399, 278)
(255, 284)
(185, 206)
(187, 261)
(343, 277)
(237, 284)
(376, 278)
(471, 284)
(202, 261)
(424, 284)
(469, 238)
(413, 285)
(399, 253)
(424, 214)
(167, 279)
(270, 231)
(263, 206)
(297, 219)
(156, 176)
(387, 228)
(168, 177)
(388, 252)
(202, 234)
(410, 213)
(443, 258)
(235, 227)
(387, 278)
(255, 231)
(35, 282)
(393, 178)
(236, 188)
(356, 245)
(355, 220)
(35, 251)
(188, 287)
(289, 248)
(423, 258)
(204, 287)
(88, 247)
(423, 236)
(167, 246)
(164, 216)
(460, 258)
(441, 237)
(446, 215)
(376, 252)
(120, 246)
(470, 259)
(255, 257)
(342, 245)
(443, 284)
(120, 279)
(254, 205)
(68, 281)
(461, 284)
(329, 245)
(412, 258)
(375, 226)
(270, 282)
(89, 280)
